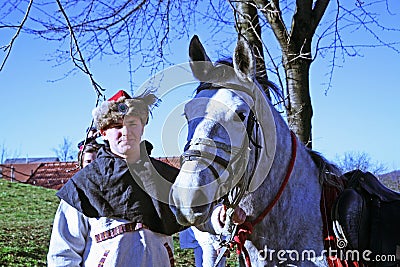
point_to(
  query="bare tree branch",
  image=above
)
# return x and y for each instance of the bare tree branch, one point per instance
(65, 150)
(318, 12)
(80, 61)
(248, 25)
(142, 32)
(273, 14)
(7, 48)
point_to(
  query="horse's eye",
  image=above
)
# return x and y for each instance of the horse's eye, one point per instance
(240, 116)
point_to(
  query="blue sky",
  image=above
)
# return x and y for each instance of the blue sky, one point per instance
(360, 113)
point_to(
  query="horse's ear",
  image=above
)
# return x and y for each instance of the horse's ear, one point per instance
(200, 63)
(243, 60)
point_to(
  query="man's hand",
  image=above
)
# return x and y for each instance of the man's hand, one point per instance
(239, 216)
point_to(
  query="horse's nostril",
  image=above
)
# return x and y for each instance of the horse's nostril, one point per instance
(181, 218)
(200, 210)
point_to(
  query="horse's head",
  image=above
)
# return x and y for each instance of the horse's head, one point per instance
(220, 120)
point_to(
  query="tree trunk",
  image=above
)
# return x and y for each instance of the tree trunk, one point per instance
(299, 112)
(248, 25)
(296, 58)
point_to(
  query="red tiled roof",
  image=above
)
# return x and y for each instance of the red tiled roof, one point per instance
(53, 174)
(173, 161)
(30, 160)
(19, 172)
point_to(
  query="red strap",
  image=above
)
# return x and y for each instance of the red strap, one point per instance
(170, 254)
(328, 196)
(119, 230)
(245, 229)
(283, 185)
(103, 259)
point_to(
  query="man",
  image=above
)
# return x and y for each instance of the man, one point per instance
(88, 147)
(205, 246)
(88, 153)
(109, 213)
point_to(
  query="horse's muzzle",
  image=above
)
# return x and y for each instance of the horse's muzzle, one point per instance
(186, 208)
(189, 216)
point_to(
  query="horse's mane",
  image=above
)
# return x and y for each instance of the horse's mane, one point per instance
(329, 174)
(266, 85)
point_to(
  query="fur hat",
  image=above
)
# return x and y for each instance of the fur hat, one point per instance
(120, 105)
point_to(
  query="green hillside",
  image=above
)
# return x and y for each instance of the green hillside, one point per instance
(26, 217)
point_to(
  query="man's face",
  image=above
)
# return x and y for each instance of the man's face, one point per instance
(124, 137)
(88, 157)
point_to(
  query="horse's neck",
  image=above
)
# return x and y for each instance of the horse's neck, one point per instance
(304, 174)
(283, 154)
(303, 180)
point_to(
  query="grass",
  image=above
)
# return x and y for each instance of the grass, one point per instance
(26, 217)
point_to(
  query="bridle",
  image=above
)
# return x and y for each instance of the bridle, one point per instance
(237, 153)
(236, 191)
(203, 156)
(238, 234)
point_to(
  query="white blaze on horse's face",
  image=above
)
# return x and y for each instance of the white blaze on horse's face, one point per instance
(216, 125)
(217, 114)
